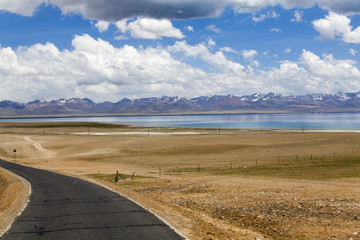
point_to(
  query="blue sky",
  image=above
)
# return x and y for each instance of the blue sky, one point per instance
(113, 49)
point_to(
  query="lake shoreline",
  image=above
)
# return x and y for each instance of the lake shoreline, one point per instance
(181, 113)
(269, 121)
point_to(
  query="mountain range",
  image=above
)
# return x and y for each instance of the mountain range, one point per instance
(270, 102)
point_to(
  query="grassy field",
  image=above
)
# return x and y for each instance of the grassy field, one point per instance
(238, 184)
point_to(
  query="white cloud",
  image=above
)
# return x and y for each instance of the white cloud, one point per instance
(202, 52)
(287, 50)
(313, 74)
(147, 28)
(121, 37)
(275, 30)
(102, 26)
(336, 26)
(298, 16)
(262, 17)
(22, 7)
(228, 49)
(211, 43)
(249, 53)
(330, 69)
(352, 52)
(213, 28)
(189, 28)
(98, 70)
(94, 69)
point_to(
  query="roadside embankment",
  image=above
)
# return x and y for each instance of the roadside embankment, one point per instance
(14, 192)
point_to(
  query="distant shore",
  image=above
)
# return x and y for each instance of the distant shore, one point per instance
(180, 113)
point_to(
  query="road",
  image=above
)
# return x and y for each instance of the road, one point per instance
(63, 207)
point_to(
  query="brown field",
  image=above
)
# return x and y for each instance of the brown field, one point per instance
(232, 184)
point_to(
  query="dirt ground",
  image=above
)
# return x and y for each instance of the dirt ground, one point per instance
(13, 196)
(233, 184)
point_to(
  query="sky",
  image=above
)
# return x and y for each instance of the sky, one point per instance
(113, 49)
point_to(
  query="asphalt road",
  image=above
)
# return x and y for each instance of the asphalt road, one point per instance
(63, 207)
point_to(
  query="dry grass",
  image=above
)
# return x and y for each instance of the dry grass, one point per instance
(250, 183)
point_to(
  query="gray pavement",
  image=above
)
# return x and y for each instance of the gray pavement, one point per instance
(63, 207)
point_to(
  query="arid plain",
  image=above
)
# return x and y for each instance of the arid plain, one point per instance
(207, 183)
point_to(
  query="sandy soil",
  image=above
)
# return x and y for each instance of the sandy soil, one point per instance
(219, 201)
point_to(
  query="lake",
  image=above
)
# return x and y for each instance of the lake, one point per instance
(341, 121)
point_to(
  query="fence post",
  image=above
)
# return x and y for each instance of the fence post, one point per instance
(117, 176)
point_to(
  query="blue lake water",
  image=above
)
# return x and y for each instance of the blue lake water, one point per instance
(243, 121)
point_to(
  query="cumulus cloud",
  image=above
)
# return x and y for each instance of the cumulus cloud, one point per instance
(314, 74)
(329, 68)
(148, 28)
(96, 69)
(287, 50)
(336, 26)
(102, 26)
(115, 10)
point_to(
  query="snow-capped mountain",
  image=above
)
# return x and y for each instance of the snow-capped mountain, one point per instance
(172, 105)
